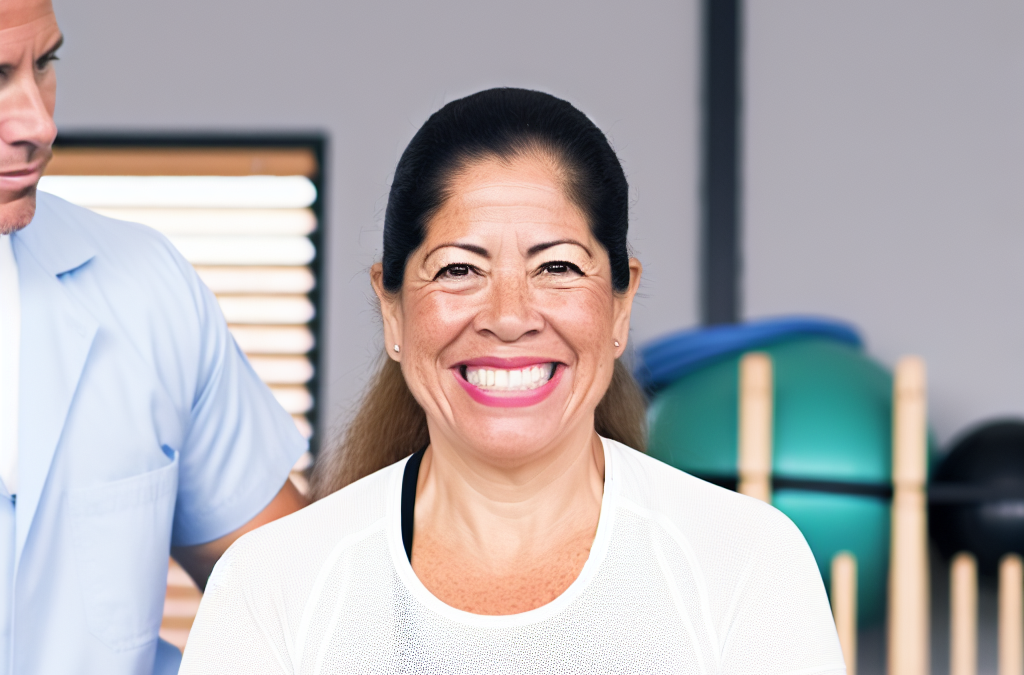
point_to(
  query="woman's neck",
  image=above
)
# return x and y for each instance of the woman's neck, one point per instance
(486, 532)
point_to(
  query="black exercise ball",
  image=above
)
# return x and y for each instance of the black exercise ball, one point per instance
(976, 500)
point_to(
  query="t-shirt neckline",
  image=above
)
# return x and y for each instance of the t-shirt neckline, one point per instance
(415, 587)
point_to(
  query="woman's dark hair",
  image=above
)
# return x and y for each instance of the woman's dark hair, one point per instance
(502, 124)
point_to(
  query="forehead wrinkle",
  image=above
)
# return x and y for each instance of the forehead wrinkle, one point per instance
(484, 191)
(515, 214)
(498, 207)
(35, 36)
(29, 20)
(526, 194)
(512, 201)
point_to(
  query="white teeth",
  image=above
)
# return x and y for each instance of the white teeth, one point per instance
(522, 379)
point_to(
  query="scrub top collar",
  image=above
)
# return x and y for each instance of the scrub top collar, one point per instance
(56, 336)
(54, 243)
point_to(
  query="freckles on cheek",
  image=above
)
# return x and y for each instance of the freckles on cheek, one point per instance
(586, 315)
(435, 320)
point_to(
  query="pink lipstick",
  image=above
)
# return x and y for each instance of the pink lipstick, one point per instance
(508, 383)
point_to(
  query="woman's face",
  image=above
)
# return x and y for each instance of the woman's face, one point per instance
(507, 321)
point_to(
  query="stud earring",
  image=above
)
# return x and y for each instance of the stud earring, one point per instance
(616, 343)
(397, 348)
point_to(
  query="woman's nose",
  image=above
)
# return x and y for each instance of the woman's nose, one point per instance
(25, 119)
(509, 314)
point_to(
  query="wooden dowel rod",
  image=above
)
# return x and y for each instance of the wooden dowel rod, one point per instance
(844, 606)
(963, 615)
(755, 433)
(1011, 615)
(908, 620)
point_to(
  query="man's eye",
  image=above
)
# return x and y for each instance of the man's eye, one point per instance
(42, 63)
(561, 268)
(456, 270)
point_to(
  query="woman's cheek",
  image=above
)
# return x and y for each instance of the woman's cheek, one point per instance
(584, 318)
(437, 319)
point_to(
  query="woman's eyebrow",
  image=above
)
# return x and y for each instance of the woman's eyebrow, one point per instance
(479, 250)
(537, 248)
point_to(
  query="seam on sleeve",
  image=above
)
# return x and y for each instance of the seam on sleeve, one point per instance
(700, 582)
(318, 585)
(730, 616)
(250, 608)
(684, 615)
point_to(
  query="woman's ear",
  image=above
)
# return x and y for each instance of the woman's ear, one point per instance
(390, 311)
(624, 307)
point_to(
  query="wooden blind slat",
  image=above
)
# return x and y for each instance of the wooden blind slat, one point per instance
(183, 162)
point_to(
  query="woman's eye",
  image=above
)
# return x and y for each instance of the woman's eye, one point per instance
(453, 271)
(561, 268)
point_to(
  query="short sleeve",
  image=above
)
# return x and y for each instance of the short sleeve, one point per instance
(781, 621)
(239, 445)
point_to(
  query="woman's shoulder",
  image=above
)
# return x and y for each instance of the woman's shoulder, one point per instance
(745, 554)
(297, 544)
(695, 508)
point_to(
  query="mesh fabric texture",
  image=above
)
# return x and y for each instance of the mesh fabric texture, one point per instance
(683, 577)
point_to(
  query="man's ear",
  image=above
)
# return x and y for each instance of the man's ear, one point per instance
(390, 311)
(624, 307)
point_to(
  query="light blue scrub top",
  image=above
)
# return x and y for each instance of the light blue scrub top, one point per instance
(142, 425)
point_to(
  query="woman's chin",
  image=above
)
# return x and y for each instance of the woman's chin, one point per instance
(511, 441)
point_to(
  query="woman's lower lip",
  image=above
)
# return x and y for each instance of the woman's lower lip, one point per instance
(511, 399)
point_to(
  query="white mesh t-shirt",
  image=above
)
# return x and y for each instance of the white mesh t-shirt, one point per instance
(683, 577)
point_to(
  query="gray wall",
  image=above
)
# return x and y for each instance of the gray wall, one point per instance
(884, 170)
(885, 183)
(368, 73)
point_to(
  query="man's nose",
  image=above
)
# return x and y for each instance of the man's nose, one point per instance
(25, 119)
(510, 314)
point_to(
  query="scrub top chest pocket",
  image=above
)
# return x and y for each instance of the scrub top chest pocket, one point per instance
(121, 533)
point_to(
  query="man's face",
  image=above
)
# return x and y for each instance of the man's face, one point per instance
(29, 37)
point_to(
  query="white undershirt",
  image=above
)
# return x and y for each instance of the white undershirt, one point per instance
(10, 351)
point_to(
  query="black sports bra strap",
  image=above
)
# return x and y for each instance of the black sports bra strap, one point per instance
(409, 481)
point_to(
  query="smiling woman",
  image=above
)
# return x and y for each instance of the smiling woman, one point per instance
(487, 509)
(533, 220)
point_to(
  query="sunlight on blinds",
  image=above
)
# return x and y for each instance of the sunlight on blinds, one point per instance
(259, 280)
(248, 237)
(225, 192)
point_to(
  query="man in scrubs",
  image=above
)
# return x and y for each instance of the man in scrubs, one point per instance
(131, 427)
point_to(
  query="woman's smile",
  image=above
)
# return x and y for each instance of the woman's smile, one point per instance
(509, 383)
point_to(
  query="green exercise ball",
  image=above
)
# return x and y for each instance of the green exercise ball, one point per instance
(831, 452)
